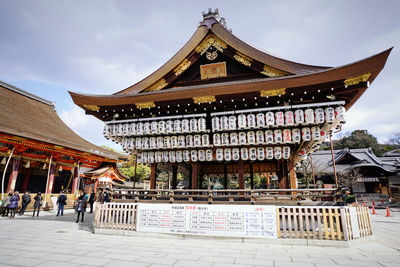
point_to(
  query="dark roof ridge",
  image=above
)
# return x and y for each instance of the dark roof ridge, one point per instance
(27, 94)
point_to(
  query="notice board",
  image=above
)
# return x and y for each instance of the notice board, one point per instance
(208, 220)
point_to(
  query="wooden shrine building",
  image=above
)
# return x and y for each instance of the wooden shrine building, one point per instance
(38, 151)
(221, 108)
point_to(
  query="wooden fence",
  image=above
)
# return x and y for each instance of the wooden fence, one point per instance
(302, 222)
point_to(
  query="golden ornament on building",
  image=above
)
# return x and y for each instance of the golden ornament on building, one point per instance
(273, 92)
(92, 107)
(204, 99)
(211, 40)
(243, 59)
(182, 67)
(271, 72)
(145, 105)
(357, 79)
(160, 84)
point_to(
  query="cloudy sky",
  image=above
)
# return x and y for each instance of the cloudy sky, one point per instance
(100, 47)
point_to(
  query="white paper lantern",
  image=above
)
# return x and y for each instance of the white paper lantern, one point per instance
(177, 126)
(269, 136)
(172, 157)
(242, 138)
(139, 128)
(251, 121)
(106, 131)
(153, 143)
(235, 154)
(286, 152)
(158, 156)
(146, 143)
(278, 136)
(232, 122)
(193, 155)
(260, 119)
(216, 139)
(147, 128)
(260, 153)
(165, 156)
(224, 139)
(309, 116)
(216, 126)
(234, 138)
(125, 129)
(306, 134)
(131, 143)
(319, 116)
(150, 157)
(253, 153)
(277, 152)
(289, 118)
(209, 155)
(139, 158)
(219, 154)
(154, 127)
(186, 155)
(185, 126)
(193, 125)
(205, 140)
(242, 121)
(197, 140)
(167, 142)
(181, 141)
(121, 129)
(296, 135)
(202, 155)
(202, 124)
(279, 118)
(174, 141)
(270, 119)
(329, 114)
(145, 158)
(113, 130)
(160, 142)
(269, 151)
(178, 155)
(340, 114)
(169, 126)
(224, 123)
(260, 137)
(138, 143)
(287, 136)
(315, 133)
(227, 154)
(132, 129)
(244, 153)
(299, 116)
(161, 127)
(189, 140)
(124, 143)
(251, 137)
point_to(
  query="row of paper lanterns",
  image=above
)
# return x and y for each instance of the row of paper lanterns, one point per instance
(285, 136)
(227, 154)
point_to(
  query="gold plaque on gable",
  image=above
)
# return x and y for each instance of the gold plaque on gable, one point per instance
(215, 70)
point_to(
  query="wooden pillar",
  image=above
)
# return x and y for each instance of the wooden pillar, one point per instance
(51, 179)
(241, 174)
(225, 176)
(25, 182)
(13, 175)
(153, 176)
(251, 176)
(96, 184)
(75, 185)
(174, 182)
(281, 175)
(292, 175)
(195, 173)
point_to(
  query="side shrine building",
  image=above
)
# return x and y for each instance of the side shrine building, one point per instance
(223, 109)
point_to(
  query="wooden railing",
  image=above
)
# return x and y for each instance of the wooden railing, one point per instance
(318, 223)
(255, 196)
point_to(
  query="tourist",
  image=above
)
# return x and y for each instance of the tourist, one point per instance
(100, 196)
(107, 196)
(61, 201)
(5, 205)
(38, 203)
(54, 201)
(81, 206)
(91, 201)
(14, 204)
(26, 199)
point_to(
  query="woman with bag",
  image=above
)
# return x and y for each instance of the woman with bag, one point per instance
(14, 200)
(38, 203)
(81, 206)
(5, 204)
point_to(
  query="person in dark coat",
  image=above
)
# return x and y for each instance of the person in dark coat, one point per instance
(80, 206)
(91, 201)
(100, 196)
(26, 199)
(6, 204)
(61, 201)
(38, 203)
(14, 201)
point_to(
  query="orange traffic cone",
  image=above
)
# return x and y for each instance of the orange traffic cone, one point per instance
(387, 211)
(373, 210)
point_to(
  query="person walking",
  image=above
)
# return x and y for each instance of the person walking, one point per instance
(26, 199)
(14, 201)
(80, 207)
(91, 201)
(61, 201)
(38, 203)
(5, 204)
(100, 196)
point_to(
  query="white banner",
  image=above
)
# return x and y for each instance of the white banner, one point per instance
(209, 220)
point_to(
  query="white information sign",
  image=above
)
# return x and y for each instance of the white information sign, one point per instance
(209, 220)
(354, 222)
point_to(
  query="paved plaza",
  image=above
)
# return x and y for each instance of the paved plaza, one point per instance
(59, 241)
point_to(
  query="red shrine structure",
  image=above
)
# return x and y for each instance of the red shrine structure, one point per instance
(222, 108)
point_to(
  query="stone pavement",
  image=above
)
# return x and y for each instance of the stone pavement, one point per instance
(59, 241)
